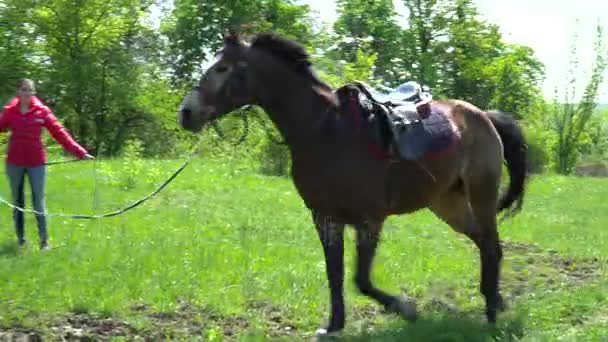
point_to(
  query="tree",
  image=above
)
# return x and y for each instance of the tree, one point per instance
(15, 47)
(194, 29)
(335, 70)
(570, 120)
(90, 59)
(369, 28)
(515, 79)
(463, 57)
(427, 30)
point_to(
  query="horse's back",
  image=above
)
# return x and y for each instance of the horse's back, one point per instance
(480, 142)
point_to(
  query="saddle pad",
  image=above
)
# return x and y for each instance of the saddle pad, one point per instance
(413, 136)
(426, 137)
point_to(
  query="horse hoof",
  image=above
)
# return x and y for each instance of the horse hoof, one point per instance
(492, 312)
(323, 332)
(405, 307)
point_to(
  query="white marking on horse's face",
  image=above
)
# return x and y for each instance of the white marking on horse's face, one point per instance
(194, 104)
(190, 104)
(222, 88)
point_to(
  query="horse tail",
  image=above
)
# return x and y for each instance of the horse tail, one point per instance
(515, 154)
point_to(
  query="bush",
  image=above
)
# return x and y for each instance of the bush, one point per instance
(540, 144)
(134, 169)
(274, 159)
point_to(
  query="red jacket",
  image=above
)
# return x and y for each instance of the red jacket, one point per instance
(25, 142)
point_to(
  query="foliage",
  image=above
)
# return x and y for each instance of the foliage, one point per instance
(540, 142)
(112, 75)
(445, 46)
(570, 119)
(428, 28)
(480, 68)
(337, 73)
(15, 51)
(275, 159)
(194, 29)
(133, 170)
(516, 76)
(369, 28)
(94, 62)
(598, 137)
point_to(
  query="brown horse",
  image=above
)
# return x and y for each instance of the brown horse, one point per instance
(341, 182)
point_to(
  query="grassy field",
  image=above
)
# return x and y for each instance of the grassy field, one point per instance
(226, 253)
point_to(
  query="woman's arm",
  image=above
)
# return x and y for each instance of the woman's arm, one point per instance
(61, 135)
(4, 121)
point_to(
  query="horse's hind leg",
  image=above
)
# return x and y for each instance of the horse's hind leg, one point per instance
(368, 235)
(477, 220)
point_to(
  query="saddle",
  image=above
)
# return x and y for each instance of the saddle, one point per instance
(395, 119)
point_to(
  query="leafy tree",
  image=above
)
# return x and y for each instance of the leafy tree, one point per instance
(428, 23)
(571, 120)
(461, 56)
(92, 60)
(370, 28)
(194, 28)
(15, 47)
(595, 143)
(337, 71)
(471, 45)
(515, 76)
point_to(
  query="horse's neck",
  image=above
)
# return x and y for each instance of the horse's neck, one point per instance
(297, 113)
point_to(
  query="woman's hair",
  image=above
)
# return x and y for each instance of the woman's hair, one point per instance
(23, 80)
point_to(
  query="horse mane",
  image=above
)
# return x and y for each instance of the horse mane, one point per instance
(289, 52)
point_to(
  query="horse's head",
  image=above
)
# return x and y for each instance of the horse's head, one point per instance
(264, 72)
(224, 87)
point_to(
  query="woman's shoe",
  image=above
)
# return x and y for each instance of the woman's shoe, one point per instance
(45, 246)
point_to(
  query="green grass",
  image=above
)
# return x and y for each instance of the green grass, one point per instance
(224, 252)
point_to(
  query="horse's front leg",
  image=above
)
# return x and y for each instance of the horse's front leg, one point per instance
(332, 239)
(368, 234)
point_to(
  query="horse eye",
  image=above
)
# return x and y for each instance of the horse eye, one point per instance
(222, 69)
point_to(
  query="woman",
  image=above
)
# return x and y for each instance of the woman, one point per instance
(25, 116)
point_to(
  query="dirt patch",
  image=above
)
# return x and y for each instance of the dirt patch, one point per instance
(20, 335)
(531, 269)
(527, 269)
(592, 170)
(276, 319)
(79, 327)
(525, 248)
(186, 321)
(439, 305)
(367, 312)
(579, 271)
(85, 327)
(190, 320)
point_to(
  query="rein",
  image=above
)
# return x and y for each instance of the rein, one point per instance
(65, 161)
(112, 213)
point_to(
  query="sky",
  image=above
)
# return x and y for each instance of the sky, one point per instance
(546, 26)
